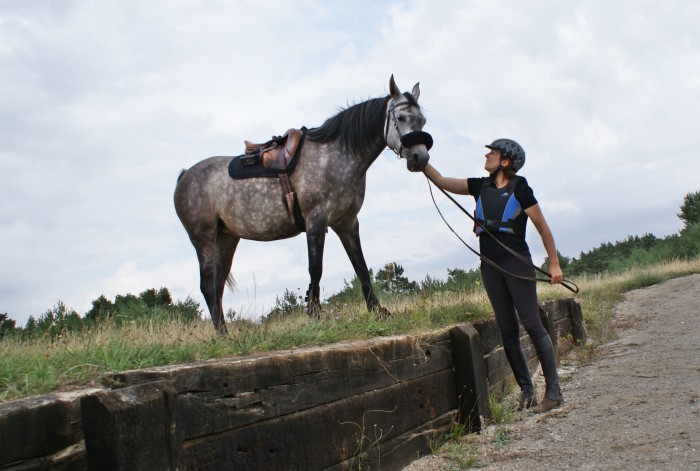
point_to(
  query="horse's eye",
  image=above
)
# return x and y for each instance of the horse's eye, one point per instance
(402, 119)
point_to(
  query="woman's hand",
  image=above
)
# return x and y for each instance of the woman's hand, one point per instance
(535, 214)
(557, 274)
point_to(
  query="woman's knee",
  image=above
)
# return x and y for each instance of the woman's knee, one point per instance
(510, 336)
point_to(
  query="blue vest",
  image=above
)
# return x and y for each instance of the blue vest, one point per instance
(498, 210)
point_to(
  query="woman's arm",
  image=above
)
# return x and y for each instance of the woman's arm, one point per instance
(453, 185)
(535, 214)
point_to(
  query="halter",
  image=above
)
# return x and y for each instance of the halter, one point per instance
(410, 138)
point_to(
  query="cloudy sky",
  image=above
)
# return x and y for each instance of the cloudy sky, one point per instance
(102, 103)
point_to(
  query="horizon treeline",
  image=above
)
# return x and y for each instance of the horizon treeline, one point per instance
(157, 304)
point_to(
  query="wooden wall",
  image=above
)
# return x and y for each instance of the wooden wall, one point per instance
(369, 404)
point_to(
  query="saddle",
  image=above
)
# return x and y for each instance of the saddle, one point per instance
(274, 158)
(278, 152)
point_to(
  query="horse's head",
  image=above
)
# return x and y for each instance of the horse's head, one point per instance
(403, 129)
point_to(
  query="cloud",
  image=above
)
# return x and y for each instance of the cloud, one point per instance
(102, 105)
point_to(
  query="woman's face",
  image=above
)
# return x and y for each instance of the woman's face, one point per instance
(493, 160)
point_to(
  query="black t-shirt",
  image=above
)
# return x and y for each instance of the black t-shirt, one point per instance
(488, 246)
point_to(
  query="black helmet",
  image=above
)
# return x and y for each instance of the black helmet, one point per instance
(511, 150)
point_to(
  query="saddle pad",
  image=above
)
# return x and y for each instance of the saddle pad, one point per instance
(238, 171)
(250, 166)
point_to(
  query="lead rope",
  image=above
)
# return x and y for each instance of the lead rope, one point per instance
(570, 285)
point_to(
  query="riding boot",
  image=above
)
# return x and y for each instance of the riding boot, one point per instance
(548, 362)
(516, 359)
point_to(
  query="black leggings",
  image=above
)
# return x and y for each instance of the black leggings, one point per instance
(512, 298)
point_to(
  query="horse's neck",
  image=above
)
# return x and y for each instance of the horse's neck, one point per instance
(363, 160)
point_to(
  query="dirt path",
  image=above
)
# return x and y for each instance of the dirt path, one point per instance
(636, 406)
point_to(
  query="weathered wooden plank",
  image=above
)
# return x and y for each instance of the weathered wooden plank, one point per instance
(557, 308)
(398, 452)
(229, 394)
(132, 428)
(562, 328)
(37, 428)
(71, 458)
(489, 334)
(326, 435)
(401, 356)
(578, 328)
(470, 376)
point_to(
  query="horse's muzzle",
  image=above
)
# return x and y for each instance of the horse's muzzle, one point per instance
(416, 145)
(417, 158)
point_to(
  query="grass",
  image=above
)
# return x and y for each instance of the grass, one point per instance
(501, 412)
(74, 360)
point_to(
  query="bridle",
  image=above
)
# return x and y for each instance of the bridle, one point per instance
(410, 138)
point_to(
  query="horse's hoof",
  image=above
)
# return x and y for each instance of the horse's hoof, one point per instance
(313, 310)
(381, 311)
(222, 331)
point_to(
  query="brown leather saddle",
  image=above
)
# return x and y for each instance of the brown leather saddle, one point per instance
(278, 152)
(276, 155)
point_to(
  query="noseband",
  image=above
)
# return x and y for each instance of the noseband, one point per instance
(409, 139)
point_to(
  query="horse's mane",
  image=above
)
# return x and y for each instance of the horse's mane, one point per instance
(359, 127)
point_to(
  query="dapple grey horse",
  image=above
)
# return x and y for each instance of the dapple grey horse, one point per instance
(329, 181)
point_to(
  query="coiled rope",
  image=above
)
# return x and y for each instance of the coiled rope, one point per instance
(570, 285)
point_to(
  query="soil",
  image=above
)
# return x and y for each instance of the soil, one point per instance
(635, 405)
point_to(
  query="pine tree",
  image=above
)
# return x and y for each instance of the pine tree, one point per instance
(690, 210)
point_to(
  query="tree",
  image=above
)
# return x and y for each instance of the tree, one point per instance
(153, 298)
(391, 279)
(7, 325)
(690, 210)
(188, 309)
(352, 291)
(129, 307)
(286, 305)
(57, 320)
(102, 308)
(30, 326)
(459, 279)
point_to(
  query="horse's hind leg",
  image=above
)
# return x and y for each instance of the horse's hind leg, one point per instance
(215, 259)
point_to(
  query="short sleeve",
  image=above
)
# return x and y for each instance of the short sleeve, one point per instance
(474, 185)
(525, 195)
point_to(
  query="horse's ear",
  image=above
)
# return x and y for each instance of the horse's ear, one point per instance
(393, 89)
(416, 91)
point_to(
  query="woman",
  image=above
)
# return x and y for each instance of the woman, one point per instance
(504, 202)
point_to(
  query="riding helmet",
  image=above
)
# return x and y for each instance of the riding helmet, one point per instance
(511, 150)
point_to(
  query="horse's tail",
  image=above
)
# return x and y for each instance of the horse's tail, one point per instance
(230, 282)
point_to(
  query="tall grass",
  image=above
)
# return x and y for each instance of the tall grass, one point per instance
(72, 360)
(600, 293)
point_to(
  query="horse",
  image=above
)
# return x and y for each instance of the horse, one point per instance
(329, 180)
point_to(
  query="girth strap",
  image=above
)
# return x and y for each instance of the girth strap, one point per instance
(293, 209)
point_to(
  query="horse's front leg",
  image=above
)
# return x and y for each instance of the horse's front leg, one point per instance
(349, 235)
(315, 240)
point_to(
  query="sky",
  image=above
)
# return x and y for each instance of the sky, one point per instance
(103, 103)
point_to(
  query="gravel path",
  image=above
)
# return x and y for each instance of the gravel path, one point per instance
(635, 406)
